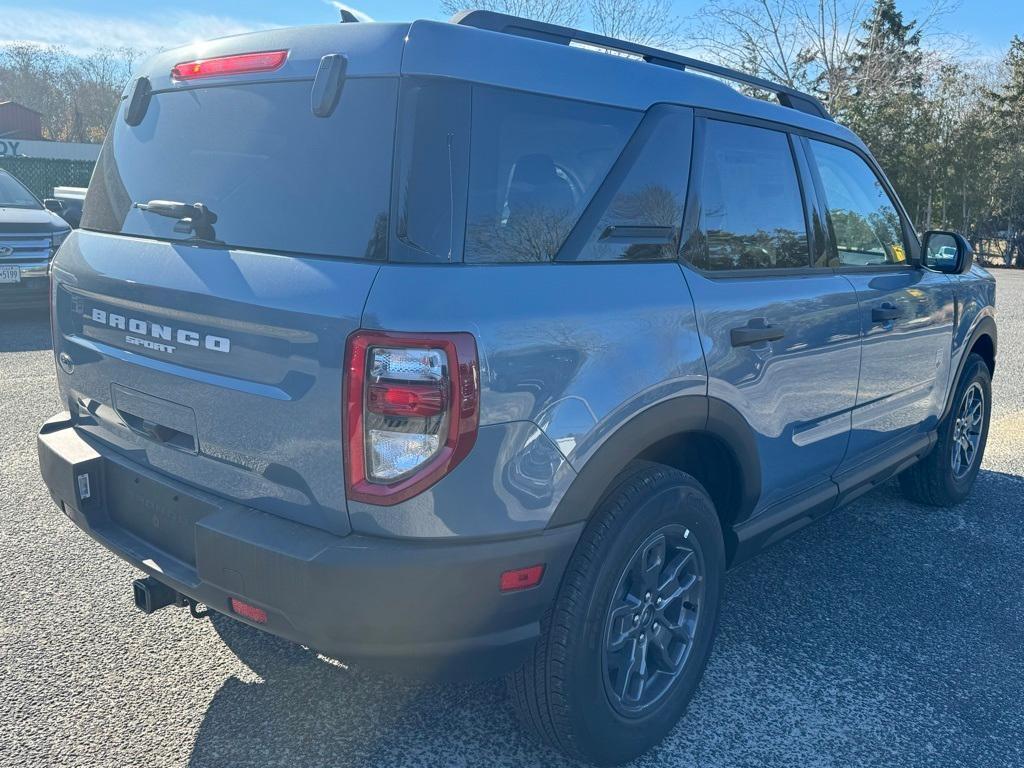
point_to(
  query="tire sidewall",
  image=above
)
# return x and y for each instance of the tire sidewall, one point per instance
(607, 735)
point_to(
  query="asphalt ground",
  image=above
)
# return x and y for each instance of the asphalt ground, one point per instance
(889, 634)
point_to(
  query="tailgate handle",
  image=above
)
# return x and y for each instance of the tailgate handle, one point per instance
(161, 433)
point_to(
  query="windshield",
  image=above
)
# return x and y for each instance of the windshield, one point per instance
(14, 195)
(275, 176)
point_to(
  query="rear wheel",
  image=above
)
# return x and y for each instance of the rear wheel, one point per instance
(625, 644)
(945, 477)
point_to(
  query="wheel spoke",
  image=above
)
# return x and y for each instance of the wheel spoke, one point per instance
(661, 649)
(634, 676)
(676, 591)
(620, 623)
(651, 563)
(670, 576)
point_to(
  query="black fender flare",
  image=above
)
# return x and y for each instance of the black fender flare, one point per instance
(689, 413)
(985, 327)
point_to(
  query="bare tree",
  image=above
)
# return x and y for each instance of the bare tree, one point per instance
(77, 96)
(647, 22)
(806, 44)
(567, 12)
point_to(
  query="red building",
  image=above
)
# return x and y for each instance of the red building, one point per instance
(19, 122)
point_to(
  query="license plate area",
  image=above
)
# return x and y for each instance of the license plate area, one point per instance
(156, 513)
(10, 273)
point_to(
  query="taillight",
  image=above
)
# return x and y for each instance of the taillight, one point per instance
(239, 64)
(411, 409)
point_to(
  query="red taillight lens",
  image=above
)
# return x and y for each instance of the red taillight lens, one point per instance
(411, 409)
(264, 61)
(406, 399)
(250, 612)
(521, 578)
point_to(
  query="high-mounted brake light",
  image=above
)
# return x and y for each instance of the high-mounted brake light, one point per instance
(221, 66)
(411, 409)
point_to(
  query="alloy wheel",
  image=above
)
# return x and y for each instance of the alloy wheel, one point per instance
(652, 620)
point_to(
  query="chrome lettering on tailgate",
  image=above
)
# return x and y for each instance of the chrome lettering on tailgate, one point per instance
(143, 333)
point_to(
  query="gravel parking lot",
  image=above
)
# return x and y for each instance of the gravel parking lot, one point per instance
(887, 635)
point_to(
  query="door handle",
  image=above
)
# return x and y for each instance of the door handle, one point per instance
(886, 313)
(755, 332)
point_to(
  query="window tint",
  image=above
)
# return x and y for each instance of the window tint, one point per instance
(277, 177)
(867, 227)
(646, 191)
(535, 163)
(433, 164)
(751, 210)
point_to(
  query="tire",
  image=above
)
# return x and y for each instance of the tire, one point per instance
(568, 693)
(936, 480)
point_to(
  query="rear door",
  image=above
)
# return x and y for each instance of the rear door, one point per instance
(906, 312)
(780, 329)
(215, 357)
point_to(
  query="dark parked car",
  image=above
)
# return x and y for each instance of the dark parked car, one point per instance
(29, 236)
(459, 350)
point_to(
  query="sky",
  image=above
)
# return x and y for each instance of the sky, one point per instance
(84, 25)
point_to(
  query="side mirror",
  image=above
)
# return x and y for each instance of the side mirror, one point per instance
(54, 205)
(947, 252)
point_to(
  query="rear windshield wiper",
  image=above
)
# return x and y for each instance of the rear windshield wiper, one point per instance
(193, 218)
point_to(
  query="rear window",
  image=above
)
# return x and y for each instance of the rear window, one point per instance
(535, 162)
(277, 177)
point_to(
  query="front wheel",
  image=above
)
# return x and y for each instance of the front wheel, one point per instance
(624, 646)
(946, 475)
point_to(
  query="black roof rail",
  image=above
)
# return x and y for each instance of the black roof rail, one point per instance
(553, 33)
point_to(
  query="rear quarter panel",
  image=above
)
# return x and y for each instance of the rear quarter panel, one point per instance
(568, 353)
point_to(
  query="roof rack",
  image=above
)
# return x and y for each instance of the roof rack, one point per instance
(553, 33)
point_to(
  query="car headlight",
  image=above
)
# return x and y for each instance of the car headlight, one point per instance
(56, 239)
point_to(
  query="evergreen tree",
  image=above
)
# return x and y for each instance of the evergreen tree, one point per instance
(1007, 102)
(886, 103)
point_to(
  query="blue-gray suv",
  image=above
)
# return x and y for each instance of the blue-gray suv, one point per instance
(459, 349)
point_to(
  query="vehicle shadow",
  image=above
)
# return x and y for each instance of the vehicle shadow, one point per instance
(837, 646)
(24, 330)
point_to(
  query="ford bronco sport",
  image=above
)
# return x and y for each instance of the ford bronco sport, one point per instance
(487, 347)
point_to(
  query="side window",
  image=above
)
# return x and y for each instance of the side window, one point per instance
(433, 160)
(751, 209)
(638, 213)
(535, 163)
(868, 230)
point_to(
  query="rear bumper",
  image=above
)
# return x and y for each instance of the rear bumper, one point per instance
(427, 608)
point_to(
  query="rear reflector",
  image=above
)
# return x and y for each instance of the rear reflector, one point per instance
(521, 578)
(266, 61)
(250, 612)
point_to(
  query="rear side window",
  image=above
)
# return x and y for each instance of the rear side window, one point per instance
(277, 177)
(751, 210)
(868, 230)
(639, 210)
(433, 161)
(535, 163)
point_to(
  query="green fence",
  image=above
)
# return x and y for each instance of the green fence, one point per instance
(41, 175)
